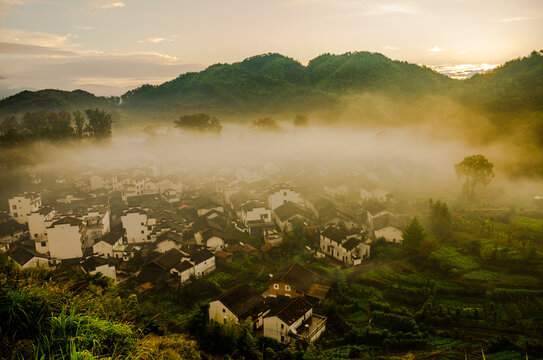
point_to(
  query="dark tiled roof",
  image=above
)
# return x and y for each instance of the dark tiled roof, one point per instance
(69, 220)
(253, 204)
(292, 310)
(206, 202)
(168, 260)
(382, 221)
(169, 235)
(297, 276)
(243, 301)
(183, 266)
(350, 244)
(111, 237)
(335, 234)
(92, 263)
(150, 275)
(22, 255)
(289, 210)
(201, 256)
(10, 227)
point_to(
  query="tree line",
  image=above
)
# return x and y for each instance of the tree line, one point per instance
(56, 126)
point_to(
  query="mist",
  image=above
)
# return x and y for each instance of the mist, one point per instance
(407, 161)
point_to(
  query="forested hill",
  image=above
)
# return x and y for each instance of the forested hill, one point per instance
(272, 83)
(54, 100)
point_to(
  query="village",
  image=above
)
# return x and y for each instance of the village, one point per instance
(153, 229)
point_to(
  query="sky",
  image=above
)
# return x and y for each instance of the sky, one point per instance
(110, 46)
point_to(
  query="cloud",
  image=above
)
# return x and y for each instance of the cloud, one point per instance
(35, 38)
(100, 73)
(157, 40)
(435, 49)
(13, 48)
(106, 4)
(463, 71)
(81, 27)
(388, 47)
(512, 19)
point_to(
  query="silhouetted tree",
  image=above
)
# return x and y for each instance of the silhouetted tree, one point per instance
(475, 169)
(99, 124)
(199, 122)
(80, 123)
(440, 220)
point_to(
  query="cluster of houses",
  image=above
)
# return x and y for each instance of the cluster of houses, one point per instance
(154, 229)
(284, 312)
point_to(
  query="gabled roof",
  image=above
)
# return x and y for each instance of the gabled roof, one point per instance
(201, 256)
(350, 244)
(10, 227)
(297, 276)
(169, 236)
(68, 220)
(136, 210)
(209, 233)
(289, 209)
(239, 198)
(292, 310)
(335, 234)
(205, 202)
(183, 266)
(111, 237)
(90, 264)
(252, 204)
(23, 255)
(243, 301)
(150, 275)
(387, 219)
(168, 260)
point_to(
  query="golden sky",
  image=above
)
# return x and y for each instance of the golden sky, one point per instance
(110, 46)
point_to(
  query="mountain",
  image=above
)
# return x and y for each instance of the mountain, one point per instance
(53, 100)
(272, 83)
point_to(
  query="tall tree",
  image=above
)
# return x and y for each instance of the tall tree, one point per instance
(413, 236)
(475, 169)
(99, 124)
(80, 123)
(440, 220)
(36, 123)
(10, 122)
(60, 126)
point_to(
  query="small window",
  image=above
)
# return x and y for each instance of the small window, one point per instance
(287, 288)
(285, 193)
(282, 338)
(276, 286)
(15, 215)
(43, 243)
(14, 207)
(282, 326)
(142, 231)
(223, 310)
(149, 227)
(35, 236)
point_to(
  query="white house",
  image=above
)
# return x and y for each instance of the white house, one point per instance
(94, 265)
(26, 257)
(386, 225)
(239, 303)
(204, 262)
(351, 251)
(281, 195)
(104, 246)
(38, 222)
(98, 222)
(293, 319)
(285, 214)
(66, 238)
(167, 241)
(137, 225)
(22, 205)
